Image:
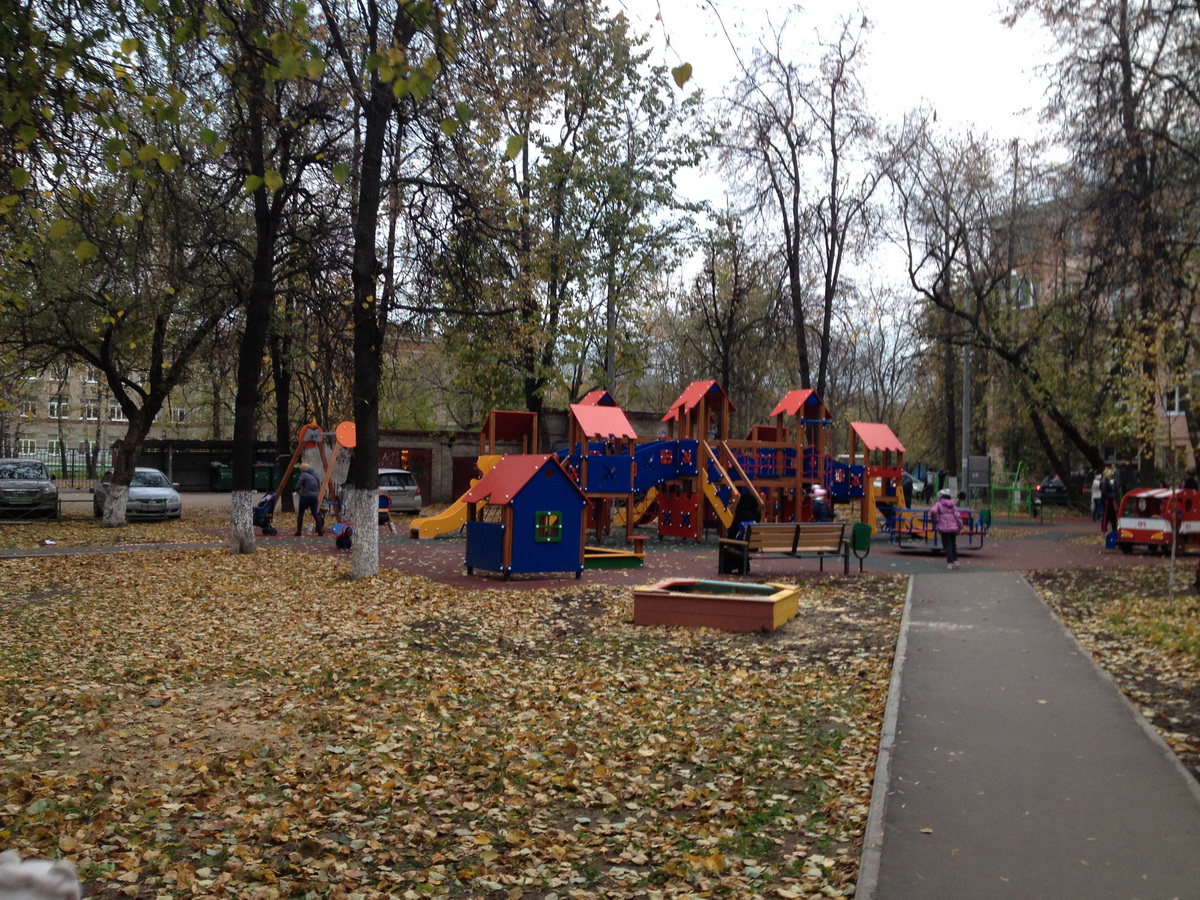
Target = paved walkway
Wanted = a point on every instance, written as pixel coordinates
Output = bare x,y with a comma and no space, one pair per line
1012,766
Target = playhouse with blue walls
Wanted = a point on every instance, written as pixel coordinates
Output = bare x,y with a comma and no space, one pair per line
525,515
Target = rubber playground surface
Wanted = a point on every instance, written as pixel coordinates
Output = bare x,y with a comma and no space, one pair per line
1069,542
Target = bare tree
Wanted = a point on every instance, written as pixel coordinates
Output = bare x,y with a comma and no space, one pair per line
804,143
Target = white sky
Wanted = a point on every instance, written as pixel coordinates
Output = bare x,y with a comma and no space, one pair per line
953,53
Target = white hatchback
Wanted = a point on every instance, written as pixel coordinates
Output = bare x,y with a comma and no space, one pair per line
401,486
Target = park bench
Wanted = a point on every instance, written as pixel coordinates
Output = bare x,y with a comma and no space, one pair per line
779,539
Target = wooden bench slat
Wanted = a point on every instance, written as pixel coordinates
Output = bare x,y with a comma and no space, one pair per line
795,539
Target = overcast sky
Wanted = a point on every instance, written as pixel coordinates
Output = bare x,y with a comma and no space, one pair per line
954,54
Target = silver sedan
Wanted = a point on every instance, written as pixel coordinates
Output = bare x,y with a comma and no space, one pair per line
151,496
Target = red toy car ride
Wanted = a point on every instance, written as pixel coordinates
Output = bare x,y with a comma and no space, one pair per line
1151,517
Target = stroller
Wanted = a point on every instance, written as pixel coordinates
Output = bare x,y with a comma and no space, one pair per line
264,511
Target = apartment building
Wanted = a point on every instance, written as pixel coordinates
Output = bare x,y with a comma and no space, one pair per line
67,413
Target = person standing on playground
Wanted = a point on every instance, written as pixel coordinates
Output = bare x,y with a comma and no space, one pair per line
821,510
944,515
1109,495
308,487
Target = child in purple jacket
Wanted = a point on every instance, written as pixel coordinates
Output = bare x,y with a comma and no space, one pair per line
944,516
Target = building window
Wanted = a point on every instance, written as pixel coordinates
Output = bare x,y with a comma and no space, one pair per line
52,446
60,374
89,375
1175,403
28,409
115,413
179,415
26,447
60,408
91,410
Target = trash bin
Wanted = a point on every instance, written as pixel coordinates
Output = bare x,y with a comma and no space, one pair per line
220,477
860,542
264,477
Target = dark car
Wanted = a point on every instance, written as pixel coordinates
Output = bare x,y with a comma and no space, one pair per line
27,489
1052,490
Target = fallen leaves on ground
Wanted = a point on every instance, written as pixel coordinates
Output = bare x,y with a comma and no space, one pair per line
1148,642
76,530
199,724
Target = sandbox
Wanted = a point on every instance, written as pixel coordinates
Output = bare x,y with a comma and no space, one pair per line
728,605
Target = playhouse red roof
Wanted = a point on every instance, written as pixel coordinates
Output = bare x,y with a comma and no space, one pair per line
509,476
602,422
691,397
794,401
876,436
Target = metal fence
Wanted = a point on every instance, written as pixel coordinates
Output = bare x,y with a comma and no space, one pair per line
70,467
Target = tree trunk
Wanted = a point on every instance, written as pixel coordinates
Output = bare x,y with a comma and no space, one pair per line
949,372
124,464
364,513
282,372
241,519
258,316
368,321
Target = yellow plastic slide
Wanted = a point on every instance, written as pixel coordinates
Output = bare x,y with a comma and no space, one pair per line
454,516
639,509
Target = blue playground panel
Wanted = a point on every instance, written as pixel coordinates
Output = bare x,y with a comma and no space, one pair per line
605,474
661,461
485,546
845,481
565,554
764,463
724,492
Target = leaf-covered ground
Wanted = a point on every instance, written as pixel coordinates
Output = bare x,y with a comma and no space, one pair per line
77,530
186,723
1148,641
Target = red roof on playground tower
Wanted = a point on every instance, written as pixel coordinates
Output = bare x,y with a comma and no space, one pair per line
602,422
691,397
876,436
794,401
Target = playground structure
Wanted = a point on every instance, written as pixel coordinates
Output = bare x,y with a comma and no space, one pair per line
1155,517
693,473
329,445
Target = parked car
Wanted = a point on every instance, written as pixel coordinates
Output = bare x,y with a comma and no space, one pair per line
151,496
27,489
1052,490
401,486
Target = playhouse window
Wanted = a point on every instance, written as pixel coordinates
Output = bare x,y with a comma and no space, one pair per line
549,527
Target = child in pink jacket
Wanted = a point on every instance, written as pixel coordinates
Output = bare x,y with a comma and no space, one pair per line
944,516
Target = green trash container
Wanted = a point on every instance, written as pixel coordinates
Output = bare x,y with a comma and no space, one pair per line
860,542
263,480
224,479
